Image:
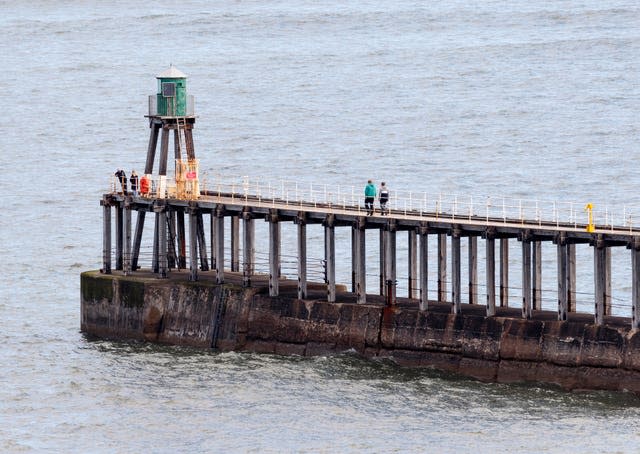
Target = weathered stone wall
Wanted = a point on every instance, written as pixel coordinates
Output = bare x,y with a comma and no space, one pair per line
570,354
181,313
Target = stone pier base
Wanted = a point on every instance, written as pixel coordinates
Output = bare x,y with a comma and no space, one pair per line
574,354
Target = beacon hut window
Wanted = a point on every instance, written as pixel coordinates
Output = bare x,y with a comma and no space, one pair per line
168,89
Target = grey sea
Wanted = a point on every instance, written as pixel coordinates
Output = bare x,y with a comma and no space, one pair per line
485,99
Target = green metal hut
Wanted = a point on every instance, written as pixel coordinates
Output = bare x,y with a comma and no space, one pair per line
172,93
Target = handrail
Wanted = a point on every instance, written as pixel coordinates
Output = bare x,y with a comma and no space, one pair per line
341,197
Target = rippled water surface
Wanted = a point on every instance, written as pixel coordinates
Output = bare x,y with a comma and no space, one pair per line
537,100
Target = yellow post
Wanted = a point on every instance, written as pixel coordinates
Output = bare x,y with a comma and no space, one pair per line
590,226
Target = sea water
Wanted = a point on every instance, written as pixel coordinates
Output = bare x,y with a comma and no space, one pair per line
535,100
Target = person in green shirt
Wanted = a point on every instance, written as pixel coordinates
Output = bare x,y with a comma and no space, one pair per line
369,197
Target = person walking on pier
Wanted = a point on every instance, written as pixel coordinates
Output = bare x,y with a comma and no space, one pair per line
384,198
134,183
120,175
369,197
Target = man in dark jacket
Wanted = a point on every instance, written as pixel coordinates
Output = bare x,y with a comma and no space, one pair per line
120,175
134,183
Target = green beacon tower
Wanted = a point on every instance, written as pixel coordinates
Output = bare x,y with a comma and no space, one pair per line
172,93
171,109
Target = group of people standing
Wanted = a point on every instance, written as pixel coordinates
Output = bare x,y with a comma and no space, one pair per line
134,180
370,193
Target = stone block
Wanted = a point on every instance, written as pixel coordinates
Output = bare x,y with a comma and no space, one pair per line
283,348
562,342
325,312
319,349
433,331
406,358
631,353
630,382
398,326
259,346
353,326
602,347
480,337
514,371
480,369
522,340
565,377
447,362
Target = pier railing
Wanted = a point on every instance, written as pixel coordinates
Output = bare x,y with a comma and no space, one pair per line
153,105
351,197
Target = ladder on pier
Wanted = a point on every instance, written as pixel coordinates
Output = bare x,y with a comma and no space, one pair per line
181,143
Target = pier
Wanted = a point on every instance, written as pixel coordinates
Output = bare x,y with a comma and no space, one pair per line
183,197
236,204
202,284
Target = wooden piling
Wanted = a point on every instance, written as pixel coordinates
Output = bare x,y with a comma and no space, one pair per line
119,236
248,249
354,258
635,284
274,253
127,237
214,237
202,244
177,150
491,274
193,244
137,240
164,150
442,267
301,222
473,270
423,233
151,149
526,277
188,139
182,241
456,284
219,242
382,251
600,278
360,260
155,261
571,277
504,272
235,243
390,261
172,257
563,270
412,264
536,275
330,257
607,280
106,237
161,214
